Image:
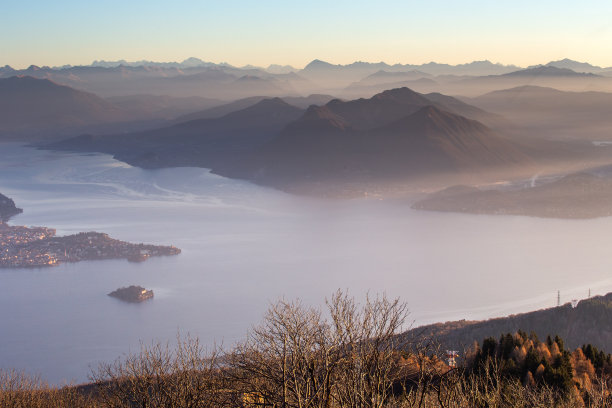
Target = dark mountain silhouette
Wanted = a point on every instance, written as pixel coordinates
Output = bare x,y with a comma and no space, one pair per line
273,112
363,113
397,134
444,140
201,142
589,322
360,90
380,109
218,111
394,104
28,104
339,144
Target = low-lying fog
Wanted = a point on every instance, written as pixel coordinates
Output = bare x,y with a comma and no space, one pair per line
245,246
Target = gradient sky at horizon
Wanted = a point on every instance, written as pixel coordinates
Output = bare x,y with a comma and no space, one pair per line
266,32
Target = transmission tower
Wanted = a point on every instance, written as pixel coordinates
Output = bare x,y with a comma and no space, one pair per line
451,355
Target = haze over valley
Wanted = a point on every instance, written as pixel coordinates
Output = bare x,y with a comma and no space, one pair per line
380,134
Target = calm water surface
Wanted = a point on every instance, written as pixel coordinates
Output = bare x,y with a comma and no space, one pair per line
245,246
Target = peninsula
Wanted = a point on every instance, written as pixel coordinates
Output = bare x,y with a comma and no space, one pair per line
22,246
574,196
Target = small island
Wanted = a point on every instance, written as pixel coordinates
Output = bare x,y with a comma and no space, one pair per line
132,294
22,246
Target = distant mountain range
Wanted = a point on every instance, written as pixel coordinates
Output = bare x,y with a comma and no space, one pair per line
483,67
432,68
194,77
256,124
210,81
188,63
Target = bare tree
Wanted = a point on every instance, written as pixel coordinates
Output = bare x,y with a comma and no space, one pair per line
368,338
18,390
289,360
158,376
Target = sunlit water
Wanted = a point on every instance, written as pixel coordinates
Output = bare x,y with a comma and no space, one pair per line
245,246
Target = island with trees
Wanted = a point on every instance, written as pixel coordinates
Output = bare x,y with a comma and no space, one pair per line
132,294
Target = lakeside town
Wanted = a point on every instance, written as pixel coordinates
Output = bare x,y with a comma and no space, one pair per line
22,246
38,246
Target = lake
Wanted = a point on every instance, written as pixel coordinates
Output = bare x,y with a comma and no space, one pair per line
245,246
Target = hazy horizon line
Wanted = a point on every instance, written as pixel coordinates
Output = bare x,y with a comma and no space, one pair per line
144,62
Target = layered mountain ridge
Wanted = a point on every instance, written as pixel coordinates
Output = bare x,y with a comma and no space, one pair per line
27,103
396,134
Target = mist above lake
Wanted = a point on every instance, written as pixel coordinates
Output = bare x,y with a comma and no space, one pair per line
245,246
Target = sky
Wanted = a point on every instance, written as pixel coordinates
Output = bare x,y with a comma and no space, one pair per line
294,32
